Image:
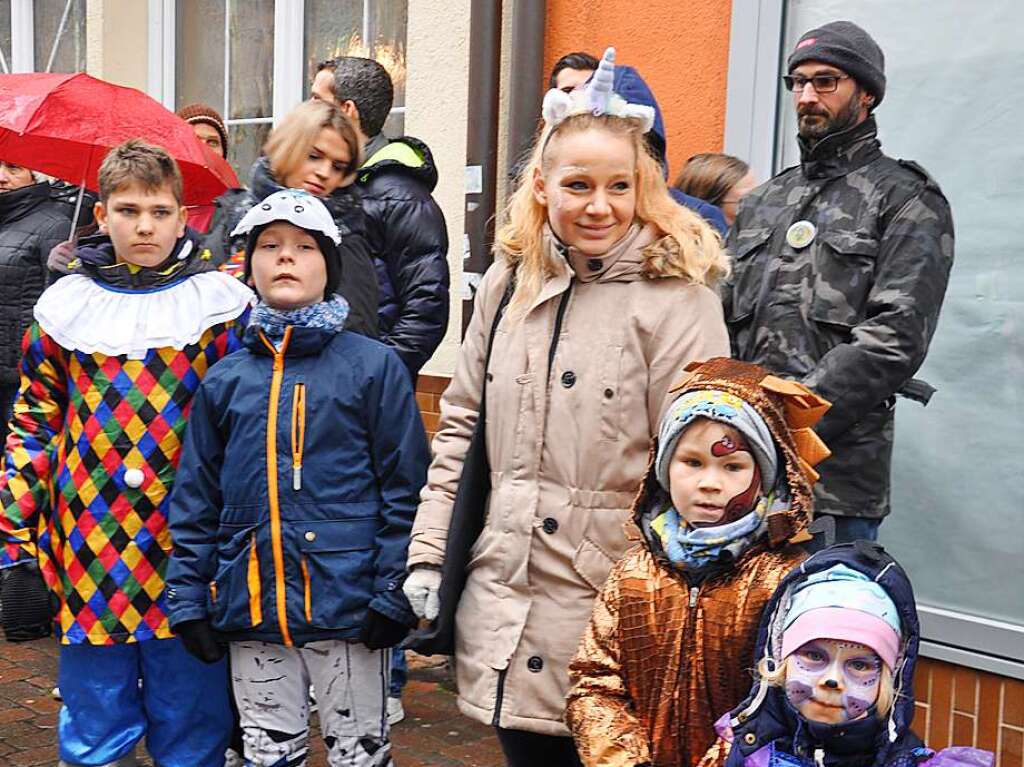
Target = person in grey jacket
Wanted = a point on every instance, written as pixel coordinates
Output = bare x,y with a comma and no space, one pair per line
840,266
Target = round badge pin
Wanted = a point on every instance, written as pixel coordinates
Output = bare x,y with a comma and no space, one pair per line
801,234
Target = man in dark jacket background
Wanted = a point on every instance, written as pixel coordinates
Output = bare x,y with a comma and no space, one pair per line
840,267
34,218
405,227
406,231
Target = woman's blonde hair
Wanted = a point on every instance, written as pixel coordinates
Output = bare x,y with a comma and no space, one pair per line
289,143
774,674
699,258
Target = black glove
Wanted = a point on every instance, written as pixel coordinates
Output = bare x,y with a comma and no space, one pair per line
27,613
201,640
380,631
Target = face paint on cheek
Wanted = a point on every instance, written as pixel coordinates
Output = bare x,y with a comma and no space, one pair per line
743,503
854,706
801,676
798,693
861,684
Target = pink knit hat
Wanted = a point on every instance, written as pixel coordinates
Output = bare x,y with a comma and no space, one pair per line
843,604
845,625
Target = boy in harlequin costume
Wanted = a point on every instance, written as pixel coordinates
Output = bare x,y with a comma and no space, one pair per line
835,668
111,363
674,626
298,484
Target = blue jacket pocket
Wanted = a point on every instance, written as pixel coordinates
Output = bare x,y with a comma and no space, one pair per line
236,593
337,560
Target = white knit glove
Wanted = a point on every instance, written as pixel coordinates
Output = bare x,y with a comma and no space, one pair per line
421,589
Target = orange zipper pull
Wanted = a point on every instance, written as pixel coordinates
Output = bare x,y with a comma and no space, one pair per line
298,433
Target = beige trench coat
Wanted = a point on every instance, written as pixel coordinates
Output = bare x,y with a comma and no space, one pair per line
567,453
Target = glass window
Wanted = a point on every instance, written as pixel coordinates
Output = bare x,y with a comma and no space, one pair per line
5,38
372,28
952,104
59,35
251,71
235,79
199,53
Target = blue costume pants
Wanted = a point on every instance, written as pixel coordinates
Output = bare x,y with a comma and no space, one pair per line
181,708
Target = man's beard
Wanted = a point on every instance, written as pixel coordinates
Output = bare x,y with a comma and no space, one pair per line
821,125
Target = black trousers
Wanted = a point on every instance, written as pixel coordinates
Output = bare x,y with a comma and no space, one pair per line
7,394
530,749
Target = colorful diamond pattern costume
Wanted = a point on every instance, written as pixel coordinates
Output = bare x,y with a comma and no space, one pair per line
91,459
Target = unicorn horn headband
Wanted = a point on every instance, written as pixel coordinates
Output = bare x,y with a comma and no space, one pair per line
596,98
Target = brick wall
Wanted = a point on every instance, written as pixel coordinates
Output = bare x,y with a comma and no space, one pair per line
955,705
963,707
428,395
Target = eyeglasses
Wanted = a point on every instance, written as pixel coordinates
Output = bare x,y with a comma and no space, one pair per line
820,83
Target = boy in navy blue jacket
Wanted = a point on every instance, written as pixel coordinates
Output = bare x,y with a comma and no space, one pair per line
296,493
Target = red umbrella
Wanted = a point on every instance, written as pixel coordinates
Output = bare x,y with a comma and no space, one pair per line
64,124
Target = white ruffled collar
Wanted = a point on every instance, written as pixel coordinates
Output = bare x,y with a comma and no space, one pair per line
83,315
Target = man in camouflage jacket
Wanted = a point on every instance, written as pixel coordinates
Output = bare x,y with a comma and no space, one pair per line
840,266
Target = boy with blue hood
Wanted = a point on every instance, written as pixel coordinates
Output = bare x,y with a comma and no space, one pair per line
836,652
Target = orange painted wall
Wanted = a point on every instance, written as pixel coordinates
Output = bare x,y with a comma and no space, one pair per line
681,47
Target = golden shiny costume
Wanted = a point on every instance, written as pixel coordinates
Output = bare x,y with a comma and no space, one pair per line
666,650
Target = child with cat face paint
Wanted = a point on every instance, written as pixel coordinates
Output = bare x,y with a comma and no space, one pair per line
836,653
673,630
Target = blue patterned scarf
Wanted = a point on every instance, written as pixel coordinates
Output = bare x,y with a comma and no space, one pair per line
326,315
696,548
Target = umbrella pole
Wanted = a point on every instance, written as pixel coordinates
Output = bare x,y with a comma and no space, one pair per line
78,209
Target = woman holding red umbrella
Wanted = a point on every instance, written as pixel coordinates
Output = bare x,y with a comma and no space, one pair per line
314,148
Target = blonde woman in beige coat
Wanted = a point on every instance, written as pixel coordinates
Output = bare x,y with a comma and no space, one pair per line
612,284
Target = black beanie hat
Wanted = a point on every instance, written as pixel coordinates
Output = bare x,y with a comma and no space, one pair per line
845,45
327,247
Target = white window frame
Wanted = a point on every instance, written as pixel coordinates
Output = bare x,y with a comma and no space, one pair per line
287,69
23,51
755,54
289,74
751,124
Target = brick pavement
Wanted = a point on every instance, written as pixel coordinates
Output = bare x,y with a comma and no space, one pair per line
433,733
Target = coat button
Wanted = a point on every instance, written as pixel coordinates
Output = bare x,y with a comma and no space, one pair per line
609,393
310,536
750,739
133,478
568,379
490,376
595,264
550,525
535,663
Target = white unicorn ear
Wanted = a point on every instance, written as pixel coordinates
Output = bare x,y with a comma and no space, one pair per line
556,107
644,114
